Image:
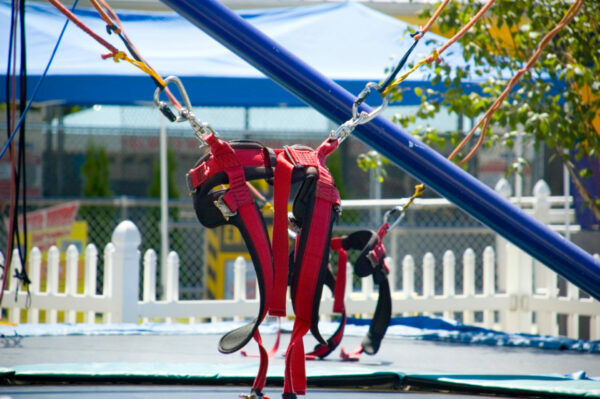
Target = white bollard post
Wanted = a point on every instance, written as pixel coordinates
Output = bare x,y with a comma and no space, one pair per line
125,274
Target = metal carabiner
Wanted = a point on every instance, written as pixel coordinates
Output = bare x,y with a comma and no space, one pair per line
185,114
368,116
398,213
164,107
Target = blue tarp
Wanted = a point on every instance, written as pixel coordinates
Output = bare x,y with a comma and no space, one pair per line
347,42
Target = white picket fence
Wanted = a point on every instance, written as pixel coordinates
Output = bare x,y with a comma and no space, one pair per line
527,299
509,311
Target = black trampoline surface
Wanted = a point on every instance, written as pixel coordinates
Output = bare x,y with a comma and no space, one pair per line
193,352
408,355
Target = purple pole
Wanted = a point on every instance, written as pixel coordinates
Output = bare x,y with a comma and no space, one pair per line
414,157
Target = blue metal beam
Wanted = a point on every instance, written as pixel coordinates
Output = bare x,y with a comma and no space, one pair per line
414,157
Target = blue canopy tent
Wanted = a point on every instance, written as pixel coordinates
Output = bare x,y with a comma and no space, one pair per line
348,42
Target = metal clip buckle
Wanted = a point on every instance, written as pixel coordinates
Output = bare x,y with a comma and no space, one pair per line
222,206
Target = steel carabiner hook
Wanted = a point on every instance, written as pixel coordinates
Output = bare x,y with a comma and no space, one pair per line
397,213
360,99
164,107
201,130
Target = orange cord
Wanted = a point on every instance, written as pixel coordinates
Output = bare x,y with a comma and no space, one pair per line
487,117
427,26
113,21
462,31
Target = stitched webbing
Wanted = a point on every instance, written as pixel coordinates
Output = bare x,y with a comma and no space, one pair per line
281,182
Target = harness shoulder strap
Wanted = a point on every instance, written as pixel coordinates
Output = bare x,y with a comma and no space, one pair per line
311,260
235,205
282,181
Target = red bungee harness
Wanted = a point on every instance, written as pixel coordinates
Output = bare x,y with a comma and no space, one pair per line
315,209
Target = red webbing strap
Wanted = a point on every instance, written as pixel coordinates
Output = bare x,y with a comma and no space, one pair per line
238,198
353,356
261,376
379,251
246,157
321,351
282,181
273,351
326,196
294,380
340,281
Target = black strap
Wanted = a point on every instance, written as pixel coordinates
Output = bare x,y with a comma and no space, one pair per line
371,261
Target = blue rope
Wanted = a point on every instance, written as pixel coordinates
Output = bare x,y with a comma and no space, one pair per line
37,86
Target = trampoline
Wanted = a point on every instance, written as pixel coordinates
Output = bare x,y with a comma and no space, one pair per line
136,361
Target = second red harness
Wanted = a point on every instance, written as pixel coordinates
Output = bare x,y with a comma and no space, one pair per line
219,186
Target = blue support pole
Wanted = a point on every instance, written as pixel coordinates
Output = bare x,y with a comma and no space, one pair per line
414,157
